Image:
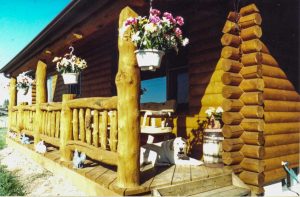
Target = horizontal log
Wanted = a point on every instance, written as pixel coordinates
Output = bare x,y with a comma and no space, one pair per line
281,139
252,111
107,157
50,140
252,178
229,52
205,78
51,106
281,106
275,175
29,107
281,150
251,72
253,138
231,158
233,16
252,85
99,103
250,20
253,125
230,65
277,117
212,100
249,9
231,27
232,131
281,95
251,59
232,118
230,40
257,190
253,165
253,32
252,98
232,105
275,83
236,168
232,92
274,163
254,45
211,88
269,60
230,145
281,128
272,71
233,79
253,151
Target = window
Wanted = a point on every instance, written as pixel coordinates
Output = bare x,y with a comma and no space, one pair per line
50,92
154,90
178,85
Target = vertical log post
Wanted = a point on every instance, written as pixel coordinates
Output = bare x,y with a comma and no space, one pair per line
41,97
12,100
66,127
128,88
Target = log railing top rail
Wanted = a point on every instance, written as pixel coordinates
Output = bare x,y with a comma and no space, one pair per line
24,107
53,106
98,103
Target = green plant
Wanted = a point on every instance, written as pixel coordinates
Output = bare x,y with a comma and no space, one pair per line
2,138
9,184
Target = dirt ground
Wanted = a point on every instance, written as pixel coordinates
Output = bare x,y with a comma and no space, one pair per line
37,180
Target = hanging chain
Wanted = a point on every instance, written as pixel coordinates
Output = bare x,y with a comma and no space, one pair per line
150,6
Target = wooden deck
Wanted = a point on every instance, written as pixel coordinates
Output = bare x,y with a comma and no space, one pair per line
103,178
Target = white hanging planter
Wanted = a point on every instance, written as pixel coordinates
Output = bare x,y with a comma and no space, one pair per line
149,59
70,78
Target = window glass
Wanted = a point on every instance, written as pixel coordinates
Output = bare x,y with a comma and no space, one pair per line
154,90
182,87
49,89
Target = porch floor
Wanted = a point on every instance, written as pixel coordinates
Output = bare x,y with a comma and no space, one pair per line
96,179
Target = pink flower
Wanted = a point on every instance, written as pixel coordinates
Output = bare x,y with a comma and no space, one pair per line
154,12
178,32
130,21
170,17
154,19
179,20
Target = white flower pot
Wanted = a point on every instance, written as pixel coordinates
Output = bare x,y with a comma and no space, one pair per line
149,59
70,78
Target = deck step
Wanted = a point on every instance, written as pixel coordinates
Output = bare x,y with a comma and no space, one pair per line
226,191
214,186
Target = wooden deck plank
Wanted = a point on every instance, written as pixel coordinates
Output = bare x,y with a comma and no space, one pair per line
214,171
196,187
226,191
96,172
106,178
198,172
181,174
164,176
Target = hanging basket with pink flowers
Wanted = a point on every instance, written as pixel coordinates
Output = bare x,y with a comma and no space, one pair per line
153,36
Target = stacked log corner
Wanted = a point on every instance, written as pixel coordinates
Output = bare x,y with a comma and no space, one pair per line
252,87
128,88
232,104
270,109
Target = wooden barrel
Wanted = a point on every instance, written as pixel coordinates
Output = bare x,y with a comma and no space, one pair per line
212,145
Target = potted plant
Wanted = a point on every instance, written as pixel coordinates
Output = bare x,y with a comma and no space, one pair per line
152,36
70,66
24,81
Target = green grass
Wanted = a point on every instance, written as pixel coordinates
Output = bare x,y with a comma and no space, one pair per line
2,138
9,183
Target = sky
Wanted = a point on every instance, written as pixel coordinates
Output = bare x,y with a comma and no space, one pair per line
20,22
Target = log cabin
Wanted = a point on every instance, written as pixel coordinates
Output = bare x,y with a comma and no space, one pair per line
234,60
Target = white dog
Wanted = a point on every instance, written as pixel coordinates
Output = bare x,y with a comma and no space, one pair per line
167,152
40,147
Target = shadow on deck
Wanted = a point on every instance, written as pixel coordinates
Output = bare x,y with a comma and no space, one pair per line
96,179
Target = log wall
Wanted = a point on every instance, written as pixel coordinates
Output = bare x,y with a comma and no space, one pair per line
261,109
